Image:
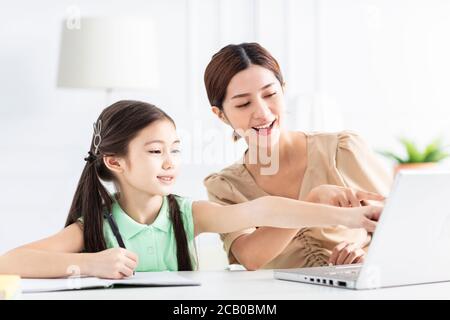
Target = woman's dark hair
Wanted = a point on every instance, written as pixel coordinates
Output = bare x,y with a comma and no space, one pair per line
230,60
120,123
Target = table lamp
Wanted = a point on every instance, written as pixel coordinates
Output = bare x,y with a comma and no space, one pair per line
109,53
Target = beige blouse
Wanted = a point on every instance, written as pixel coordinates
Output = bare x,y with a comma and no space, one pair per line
341,159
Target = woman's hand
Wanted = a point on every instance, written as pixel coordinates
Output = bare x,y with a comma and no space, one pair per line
115,263
347,253
341,196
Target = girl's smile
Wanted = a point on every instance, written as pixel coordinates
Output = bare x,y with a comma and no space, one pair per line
167,180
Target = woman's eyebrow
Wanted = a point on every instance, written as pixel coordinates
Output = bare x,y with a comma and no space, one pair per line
247,94
160,141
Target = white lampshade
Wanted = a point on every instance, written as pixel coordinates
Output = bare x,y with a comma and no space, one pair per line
109,53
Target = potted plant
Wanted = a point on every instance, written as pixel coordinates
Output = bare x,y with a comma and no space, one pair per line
416,159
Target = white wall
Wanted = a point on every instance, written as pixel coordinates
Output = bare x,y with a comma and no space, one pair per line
378,67
385,63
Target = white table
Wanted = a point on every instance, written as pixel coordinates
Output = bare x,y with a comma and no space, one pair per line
252,285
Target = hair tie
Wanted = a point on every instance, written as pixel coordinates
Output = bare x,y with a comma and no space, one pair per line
91,157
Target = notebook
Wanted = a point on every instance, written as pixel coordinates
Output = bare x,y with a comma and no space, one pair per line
140,279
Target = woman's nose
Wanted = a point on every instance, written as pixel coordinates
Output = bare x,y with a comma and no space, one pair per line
262,110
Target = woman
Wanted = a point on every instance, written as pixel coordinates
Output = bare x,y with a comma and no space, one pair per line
245,89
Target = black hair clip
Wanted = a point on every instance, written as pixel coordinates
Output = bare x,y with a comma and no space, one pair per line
91,157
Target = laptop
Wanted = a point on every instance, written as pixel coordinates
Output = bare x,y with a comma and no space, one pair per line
411,244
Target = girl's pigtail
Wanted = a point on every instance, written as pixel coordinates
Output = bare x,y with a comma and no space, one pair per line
91,198
183,255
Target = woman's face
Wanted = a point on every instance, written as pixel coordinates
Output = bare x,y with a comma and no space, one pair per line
254,106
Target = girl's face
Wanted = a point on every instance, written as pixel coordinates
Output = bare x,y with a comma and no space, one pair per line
254,105
151,165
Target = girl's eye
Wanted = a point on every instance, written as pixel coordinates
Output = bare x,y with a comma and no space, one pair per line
176,151
243,105
155,151
271,95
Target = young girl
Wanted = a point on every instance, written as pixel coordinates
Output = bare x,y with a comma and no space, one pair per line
144,227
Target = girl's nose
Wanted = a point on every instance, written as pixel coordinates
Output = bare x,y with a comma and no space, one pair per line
168,163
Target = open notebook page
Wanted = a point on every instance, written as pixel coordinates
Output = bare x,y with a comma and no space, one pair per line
157,279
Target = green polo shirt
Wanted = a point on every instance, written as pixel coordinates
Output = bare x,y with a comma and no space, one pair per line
155,243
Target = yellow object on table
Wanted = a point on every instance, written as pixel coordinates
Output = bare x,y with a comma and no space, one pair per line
9,286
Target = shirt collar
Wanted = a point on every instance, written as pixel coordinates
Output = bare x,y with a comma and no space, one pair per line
129,228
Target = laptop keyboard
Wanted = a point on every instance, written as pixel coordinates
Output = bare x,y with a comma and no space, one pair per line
349,272
345,273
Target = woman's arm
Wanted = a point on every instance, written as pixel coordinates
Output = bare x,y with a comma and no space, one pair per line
256,249
212,217
59,256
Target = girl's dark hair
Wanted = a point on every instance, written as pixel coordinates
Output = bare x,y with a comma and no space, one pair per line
230,60
120,123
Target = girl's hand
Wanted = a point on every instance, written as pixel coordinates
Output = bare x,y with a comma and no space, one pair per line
362,217
115,263
347,253
340,196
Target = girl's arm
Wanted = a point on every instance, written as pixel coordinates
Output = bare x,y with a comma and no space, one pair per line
49,257
278,212
59,256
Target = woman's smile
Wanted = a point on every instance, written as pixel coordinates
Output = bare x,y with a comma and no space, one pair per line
265,129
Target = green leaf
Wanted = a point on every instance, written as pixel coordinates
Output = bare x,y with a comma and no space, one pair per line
433,148
432,156
442,156
414,155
